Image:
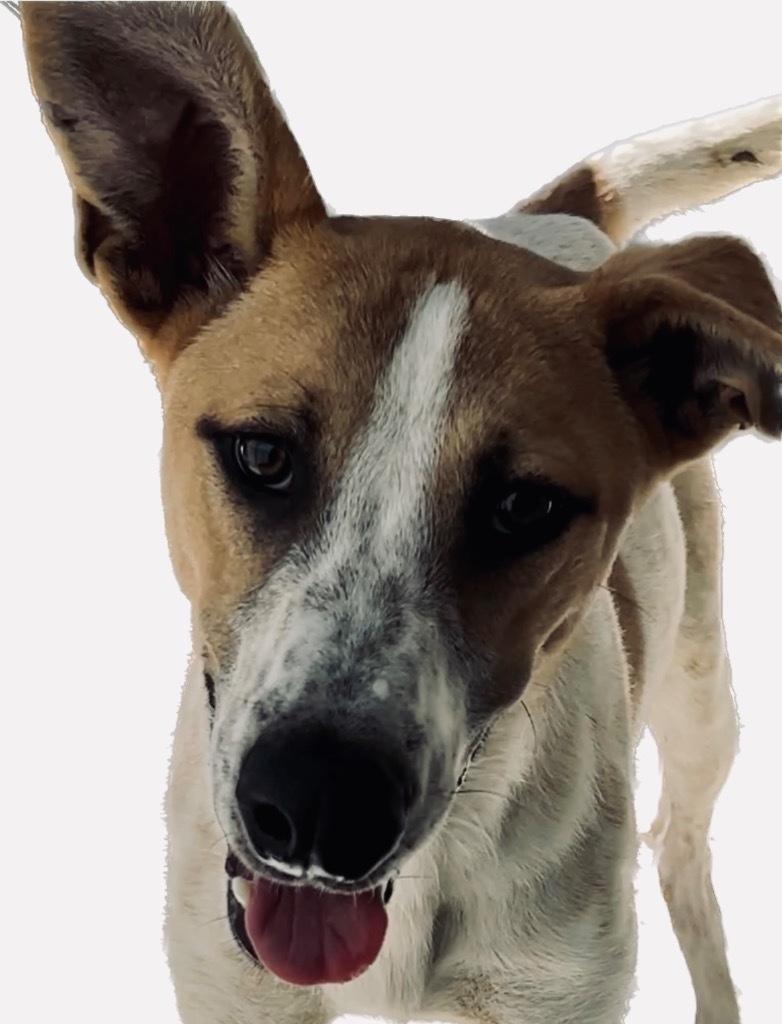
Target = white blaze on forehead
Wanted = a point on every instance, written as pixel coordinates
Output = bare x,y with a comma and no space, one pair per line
392,465
375,531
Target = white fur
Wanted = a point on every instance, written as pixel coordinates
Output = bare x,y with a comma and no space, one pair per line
393,461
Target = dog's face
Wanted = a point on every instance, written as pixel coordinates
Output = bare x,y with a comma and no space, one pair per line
390,486
398,455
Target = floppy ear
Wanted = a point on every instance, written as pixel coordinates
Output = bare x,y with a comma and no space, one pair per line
182,166
693,333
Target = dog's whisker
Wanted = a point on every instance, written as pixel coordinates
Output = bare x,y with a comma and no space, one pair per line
532,724
628,599
307,392
479,792
215,920
218,842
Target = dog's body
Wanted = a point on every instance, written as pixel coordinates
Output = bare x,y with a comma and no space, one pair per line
419,381
506,915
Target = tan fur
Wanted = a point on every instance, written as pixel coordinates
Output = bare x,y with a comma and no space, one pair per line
610,374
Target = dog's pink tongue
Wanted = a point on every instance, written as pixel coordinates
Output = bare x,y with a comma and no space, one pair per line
309,937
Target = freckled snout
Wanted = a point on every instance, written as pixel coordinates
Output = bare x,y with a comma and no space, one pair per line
322,804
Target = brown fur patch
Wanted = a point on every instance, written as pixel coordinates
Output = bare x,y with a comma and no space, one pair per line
577,193
583,192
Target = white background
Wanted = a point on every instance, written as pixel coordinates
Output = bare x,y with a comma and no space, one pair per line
454,110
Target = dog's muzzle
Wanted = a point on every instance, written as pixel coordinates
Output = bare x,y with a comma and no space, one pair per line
323,816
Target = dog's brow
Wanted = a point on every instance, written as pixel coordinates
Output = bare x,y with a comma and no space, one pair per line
270,419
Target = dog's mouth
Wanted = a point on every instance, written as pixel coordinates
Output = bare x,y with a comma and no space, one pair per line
303,934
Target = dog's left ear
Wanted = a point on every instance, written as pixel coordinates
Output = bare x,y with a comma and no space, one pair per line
183,168
693,334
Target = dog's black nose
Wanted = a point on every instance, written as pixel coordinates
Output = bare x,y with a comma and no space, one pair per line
317,799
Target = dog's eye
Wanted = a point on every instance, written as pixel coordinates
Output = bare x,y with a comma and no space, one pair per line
530,514
262,463
523,508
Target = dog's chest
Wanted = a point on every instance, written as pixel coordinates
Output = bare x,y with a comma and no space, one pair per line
446,961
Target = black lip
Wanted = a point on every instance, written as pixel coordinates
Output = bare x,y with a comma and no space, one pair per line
236,867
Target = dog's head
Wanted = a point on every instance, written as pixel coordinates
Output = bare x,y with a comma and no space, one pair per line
398,454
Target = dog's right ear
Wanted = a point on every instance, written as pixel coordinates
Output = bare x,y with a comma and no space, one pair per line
182,166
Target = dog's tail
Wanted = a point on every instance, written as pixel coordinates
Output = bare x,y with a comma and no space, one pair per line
628,186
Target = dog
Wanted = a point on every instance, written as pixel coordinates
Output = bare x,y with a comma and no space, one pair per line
440,496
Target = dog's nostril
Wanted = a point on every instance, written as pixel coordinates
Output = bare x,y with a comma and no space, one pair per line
312,799
272,823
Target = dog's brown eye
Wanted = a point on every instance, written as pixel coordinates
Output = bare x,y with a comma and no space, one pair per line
263,463
524,508
527,514
510,517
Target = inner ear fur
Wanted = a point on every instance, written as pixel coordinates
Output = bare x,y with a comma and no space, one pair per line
182,166
693,334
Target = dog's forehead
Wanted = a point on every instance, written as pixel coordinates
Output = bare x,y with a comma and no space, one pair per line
319,327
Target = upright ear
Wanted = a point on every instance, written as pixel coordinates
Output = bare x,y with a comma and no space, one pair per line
182,166
693,333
